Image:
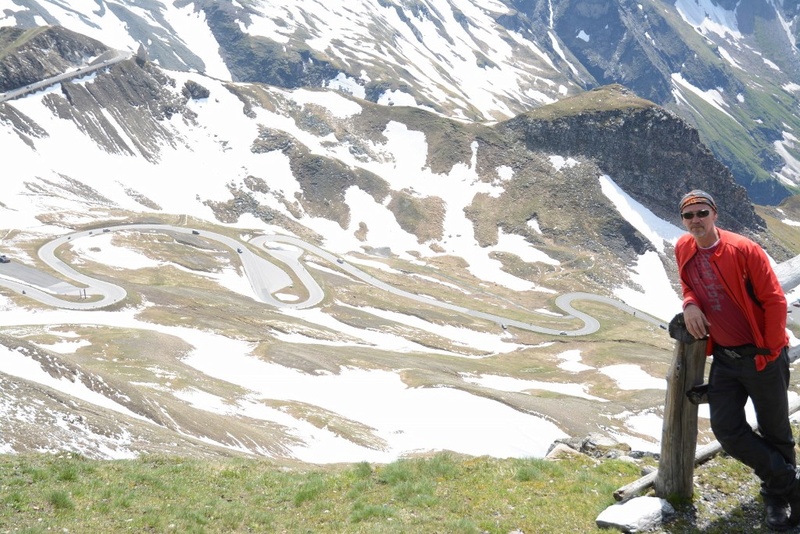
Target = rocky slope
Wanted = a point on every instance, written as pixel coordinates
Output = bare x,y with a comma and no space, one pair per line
652,153
730,69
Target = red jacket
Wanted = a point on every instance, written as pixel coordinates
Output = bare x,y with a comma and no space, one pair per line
736,261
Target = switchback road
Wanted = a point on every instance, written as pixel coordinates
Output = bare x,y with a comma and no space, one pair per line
265,278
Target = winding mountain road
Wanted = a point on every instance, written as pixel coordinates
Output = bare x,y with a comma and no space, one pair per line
265,278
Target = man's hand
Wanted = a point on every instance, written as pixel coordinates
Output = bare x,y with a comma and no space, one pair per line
696,322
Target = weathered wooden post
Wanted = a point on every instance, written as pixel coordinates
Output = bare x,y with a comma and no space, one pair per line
679,432
678,471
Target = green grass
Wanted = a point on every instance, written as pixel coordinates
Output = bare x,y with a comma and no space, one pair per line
786,234
443,493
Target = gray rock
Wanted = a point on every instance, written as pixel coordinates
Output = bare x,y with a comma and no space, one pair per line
635,515
561,450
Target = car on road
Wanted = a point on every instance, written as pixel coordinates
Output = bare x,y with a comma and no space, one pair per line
239,250
196,232
339,260
4,259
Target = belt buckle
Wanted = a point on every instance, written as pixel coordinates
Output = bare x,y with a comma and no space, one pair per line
731,354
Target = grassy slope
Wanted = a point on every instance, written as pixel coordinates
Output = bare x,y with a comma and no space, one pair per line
439,494
785,233
442,493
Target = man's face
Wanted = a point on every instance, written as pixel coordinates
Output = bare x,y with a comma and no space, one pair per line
701,223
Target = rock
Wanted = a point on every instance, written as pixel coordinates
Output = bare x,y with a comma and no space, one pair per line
601,445
635,515
574,443
597,445
647,469
561,450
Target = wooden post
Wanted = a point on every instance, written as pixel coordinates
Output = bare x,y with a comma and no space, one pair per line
679,432
639,486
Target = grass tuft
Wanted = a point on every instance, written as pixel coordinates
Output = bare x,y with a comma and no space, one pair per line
60,500
363,512
309,490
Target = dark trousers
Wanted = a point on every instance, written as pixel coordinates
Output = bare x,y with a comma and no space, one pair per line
770,452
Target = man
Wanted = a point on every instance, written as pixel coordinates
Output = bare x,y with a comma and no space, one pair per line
732,298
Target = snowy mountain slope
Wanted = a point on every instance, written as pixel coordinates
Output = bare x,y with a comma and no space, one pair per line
192,352
493,217
730,68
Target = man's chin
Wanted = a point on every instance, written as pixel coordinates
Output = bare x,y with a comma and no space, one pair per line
698,233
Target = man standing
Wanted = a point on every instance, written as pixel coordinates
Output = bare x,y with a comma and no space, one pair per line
732,297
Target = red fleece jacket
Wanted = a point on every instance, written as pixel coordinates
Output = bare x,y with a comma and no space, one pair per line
736,261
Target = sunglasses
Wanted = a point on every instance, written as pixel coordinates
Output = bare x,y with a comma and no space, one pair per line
689,215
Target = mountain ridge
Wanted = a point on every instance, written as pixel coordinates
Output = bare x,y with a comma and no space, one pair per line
423,201
729,70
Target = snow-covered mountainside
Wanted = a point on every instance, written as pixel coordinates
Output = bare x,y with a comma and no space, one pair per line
339,235
729,67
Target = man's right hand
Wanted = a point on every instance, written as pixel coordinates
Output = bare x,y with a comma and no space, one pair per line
696,322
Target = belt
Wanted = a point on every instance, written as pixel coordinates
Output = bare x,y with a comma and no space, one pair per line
742,351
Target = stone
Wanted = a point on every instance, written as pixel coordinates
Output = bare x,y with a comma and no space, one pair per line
635,515
561,450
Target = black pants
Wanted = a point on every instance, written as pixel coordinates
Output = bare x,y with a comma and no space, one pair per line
770,452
